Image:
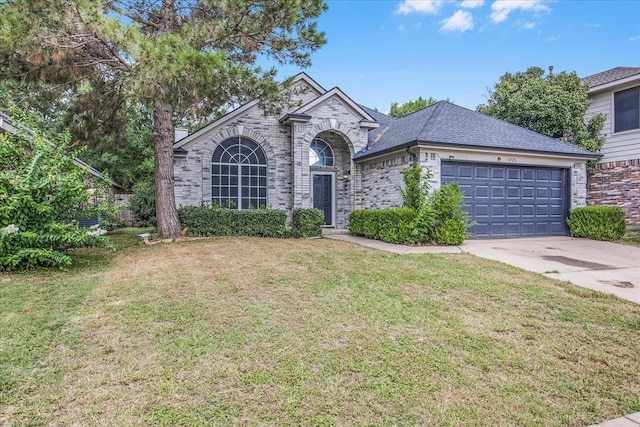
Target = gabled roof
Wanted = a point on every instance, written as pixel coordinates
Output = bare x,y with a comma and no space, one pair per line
613,75
448,125
334,93
301,77
15,128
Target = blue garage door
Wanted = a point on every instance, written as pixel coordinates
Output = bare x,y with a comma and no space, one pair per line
511,201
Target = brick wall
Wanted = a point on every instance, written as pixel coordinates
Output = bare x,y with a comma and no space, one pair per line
617,183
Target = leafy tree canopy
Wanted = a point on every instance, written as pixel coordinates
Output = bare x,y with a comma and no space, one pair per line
42,191
551,104
401,110
189,57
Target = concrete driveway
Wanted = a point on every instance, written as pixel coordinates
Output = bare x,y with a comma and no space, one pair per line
602,266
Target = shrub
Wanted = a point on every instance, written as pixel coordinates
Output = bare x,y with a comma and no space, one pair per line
452,221
42,191
307,222
143,203
391,225
423,225
597,222
416,186
205,220
451,232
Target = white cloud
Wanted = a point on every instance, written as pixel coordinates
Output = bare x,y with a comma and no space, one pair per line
401,27
459,21
632,39
500,9
526,25
471,4
430,7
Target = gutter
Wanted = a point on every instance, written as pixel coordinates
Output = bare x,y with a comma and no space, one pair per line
417,143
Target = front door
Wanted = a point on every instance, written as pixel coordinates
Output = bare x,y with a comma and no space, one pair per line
322,195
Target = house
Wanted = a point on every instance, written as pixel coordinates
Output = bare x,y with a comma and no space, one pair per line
327,151
616,181
8,125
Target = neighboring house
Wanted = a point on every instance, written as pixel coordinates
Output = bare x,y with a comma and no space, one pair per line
616,181
7,125
328,152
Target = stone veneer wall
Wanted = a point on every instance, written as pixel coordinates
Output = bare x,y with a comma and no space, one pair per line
617,183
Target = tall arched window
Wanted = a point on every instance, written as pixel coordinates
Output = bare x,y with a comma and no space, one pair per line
320,153
239,174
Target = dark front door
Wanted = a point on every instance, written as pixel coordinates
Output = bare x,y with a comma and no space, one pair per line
323,195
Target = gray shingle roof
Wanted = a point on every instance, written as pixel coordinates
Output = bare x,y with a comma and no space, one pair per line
449,125
611,75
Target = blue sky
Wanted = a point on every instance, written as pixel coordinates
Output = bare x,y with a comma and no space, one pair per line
379,52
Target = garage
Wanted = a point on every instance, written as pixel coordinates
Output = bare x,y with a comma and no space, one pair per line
512,201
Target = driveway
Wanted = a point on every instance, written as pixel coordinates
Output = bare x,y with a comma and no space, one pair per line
602,266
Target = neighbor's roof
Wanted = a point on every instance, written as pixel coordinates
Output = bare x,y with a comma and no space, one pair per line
610,76
448,125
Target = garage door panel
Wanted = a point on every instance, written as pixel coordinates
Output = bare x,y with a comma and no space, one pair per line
528,210
556,210
513,211
465,172
497,211
447,171
513,174
510,201
528,192
497,192
481,211
481,172
481,191
542,211
513,192
542,193
497,173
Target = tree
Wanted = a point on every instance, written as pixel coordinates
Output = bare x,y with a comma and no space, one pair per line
553,105
409,107
180,56
42,190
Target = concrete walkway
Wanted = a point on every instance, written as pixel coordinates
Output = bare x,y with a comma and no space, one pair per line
602,266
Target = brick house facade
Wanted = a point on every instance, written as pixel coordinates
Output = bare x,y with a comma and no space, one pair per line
328,152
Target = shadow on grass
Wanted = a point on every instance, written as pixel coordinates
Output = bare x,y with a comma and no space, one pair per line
98,258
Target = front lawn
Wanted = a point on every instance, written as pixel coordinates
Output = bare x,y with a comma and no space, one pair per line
631,237
310,332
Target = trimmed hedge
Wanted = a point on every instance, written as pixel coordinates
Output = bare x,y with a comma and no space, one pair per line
391,225
205,220
597,222
307,222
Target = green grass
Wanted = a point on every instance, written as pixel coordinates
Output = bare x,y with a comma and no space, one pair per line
632,237
313,332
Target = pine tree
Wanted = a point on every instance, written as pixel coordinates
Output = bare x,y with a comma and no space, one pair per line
177,55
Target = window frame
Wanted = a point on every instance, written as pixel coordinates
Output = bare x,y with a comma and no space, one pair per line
322,157
239,174
615,111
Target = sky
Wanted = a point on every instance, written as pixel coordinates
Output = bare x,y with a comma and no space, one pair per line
385,51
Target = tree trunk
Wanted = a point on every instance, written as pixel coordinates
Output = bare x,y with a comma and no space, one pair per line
166,212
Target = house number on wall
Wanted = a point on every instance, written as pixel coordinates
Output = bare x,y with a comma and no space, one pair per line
511,159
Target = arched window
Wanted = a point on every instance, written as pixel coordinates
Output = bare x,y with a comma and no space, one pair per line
239,174
320,153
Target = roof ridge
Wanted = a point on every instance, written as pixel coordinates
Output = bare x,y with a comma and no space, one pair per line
432,118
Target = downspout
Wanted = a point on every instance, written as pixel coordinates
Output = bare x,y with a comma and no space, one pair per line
414,156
